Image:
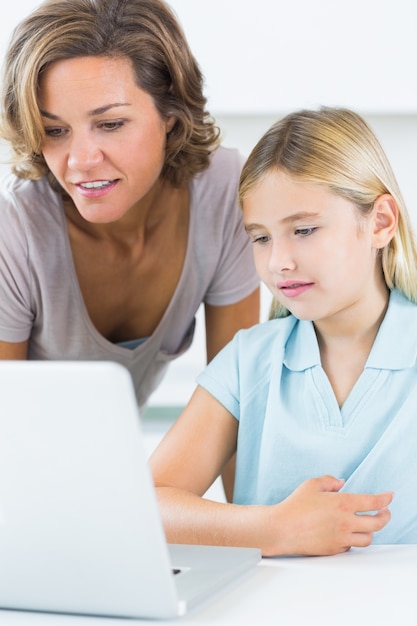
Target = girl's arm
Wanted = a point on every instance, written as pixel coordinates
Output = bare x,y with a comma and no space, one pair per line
314,520
222,323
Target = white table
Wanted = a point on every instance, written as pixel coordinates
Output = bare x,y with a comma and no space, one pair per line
376,586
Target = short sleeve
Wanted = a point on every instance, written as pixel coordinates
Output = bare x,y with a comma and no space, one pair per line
221,378
16,315
221,238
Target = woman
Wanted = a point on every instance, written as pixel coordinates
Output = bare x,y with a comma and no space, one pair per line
120,217
319,403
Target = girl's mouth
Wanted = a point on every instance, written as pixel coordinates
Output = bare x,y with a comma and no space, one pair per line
292,290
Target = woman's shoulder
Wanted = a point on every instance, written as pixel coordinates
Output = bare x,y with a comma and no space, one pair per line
214,192
223,171
10,184
29,212
28,199
22,188
226,157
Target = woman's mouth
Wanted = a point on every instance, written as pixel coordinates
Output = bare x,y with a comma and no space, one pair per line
96,184
96,188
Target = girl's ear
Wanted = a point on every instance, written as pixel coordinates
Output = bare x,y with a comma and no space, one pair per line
385,220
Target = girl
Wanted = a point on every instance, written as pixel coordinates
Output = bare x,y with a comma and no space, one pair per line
320,403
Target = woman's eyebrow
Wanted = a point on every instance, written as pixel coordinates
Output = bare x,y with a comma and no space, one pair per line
97,111
50,116
106,107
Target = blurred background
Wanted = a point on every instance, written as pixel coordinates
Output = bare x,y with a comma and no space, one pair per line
263,59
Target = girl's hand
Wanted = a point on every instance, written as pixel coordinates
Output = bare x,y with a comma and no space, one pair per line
317,520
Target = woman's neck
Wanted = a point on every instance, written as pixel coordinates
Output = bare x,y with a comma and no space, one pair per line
143,217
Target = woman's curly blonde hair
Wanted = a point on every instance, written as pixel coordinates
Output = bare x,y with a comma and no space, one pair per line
144,31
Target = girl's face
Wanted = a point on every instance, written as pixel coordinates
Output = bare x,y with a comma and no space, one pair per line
105,139
311,248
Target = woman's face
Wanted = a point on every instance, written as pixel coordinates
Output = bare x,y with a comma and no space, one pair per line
105,139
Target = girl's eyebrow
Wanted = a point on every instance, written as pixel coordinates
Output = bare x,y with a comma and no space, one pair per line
290,219
98,111
250,227
296,217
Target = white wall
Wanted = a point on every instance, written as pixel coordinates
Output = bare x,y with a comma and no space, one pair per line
265,56
269,56
261,59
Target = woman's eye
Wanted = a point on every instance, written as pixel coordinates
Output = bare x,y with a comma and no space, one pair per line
111,125
305,232
54,132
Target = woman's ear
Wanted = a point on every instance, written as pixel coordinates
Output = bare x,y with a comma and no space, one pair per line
385,220
170,123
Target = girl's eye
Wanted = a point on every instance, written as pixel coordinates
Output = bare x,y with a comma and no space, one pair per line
305,232
261,239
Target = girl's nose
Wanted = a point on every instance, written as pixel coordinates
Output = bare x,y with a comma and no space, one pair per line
281,258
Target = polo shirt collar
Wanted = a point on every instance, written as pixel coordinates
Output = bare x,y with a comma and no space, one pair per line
395,346
301,349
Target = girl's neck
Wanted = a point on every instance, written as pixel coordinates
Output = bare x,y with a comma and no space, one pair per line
345,344
358,323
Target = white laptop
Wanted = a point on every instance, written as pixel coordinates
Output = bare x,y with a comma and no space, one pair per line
80,530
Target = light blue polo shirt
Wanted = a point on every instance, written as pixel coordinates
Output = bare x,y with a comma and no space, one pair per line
291,427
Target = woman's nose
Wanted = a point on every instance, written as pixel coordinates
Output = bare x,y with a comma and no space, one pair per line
84,153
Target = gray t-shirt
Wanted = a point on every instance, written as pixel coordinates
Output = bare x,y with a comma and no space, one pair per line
40,297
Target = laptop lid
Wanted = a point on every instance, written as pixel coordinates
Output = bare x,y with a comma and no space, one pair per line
80,530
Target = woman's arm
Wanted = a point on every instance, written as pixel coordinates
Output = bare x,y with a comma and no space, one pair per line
314,519
13,351
222,323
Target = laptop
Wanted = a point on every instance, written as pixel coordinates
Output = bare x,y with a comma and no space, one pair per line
80,530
